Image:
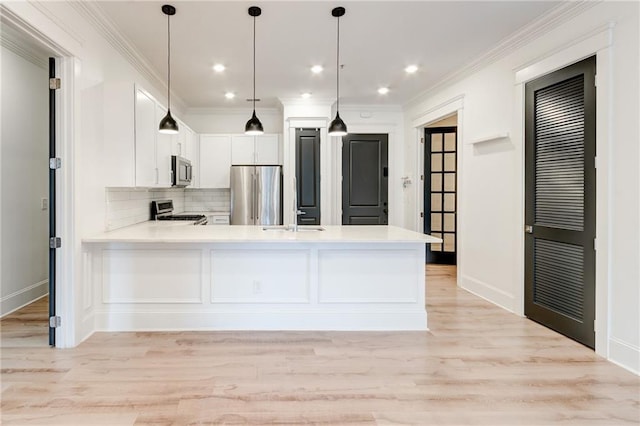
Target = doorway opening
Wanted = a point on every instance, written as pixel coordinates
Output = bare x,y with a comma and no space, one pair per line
28,209
440,189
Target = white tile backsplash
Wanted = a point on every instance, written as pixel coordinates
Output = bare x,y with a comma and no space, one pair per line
128,206
207,200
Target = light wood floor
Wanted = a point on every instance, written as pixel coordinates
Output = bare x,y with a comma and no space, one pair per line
479,365
27,326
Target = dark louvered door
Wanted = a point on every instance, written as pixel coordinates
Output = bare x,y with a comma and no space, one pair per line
560,201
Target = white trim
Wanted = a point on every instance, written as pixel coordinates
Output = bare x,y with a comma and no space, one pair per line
575,51
487,292
262,320
598,43
25,296
625,355
438,112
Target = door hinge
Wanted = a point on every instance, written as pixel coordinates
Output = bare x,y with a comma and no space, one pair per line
421,177
421,140
54,83
421,214
595,162
55,163
55,322
595,80
55,242
595,244
528,229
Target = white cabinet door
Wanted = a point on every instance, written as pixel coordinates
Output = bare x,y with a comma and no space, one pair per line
164,150
146,130
267,149
242,150
193,153
215,161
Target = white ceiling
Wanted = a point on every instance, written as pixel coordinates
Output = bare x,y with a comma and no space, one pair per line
377,40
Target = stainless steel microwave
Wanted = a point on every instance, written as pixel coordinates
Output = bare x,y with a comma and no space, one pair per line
181,171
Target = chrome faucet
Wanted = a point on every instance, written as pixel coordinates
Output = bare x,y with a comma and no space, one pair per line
296,211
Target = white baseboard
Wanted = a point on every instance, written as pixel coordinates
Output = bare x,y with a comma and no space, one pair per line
488,292
21,298
178,321
625,355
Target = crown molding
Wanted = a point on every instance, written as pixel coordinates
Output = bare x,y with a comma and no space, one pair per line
545,23
233,111
110,31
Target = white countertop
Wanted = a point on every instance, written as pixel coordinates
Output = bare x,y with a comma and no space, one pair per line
161,232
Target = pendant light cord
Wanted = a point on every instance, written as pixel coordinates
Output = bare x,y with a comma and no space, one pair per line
169,62
254,64
338,70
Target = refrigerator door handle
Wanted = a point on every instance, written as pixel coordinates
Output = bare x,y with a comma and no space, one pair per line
253,198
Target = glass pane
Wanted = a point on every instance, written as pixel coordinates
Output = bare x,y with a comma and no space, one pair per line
449,182
436,247
449,222
436,222
449,242
436,202
449,202
436,181
436,142
436,162
449,162
450,142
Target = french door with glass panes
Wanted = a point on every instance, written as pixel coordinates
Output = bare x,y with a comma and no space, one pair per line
440,193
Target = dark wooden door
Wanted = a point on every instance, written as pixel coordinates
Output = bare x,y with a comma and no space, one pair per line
560,208
308,175
440,199
365,173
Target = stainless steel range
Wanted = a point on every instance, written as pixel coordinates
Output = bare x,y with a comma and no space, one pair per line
163,210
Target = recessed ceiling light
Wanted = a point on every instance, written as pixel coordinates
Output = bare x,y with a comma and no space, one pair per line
306,95
411,69
316,69
218,67
229,95
383,90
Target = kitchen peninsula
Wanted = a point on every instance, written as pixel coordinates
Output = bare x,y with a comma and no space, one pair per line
155,276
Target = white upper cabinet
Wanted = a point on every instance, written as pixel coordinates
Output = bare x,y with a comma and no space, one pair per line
145,139
215,161
153,150
255,150
268,149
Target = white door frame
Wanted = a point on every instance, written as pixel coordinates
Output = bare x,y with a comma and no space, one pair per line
446,109
65,70
596,43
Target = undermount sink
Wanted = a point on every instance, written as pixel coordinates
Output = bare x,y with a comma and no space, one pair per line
289,228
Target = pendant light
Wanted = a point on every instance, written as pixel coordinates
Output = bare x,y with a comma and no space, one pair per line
168,125
254,126
337,126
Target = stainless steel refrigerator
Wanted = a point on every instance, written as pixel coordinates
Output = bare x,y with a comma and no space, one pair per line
256,195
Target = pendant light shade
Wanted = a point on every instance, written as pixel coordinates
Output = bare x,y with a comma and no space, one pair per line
168,125
254,126
337,126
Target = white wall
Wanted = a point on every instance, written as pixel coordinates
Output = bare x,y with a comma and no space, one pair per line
231,120
492,175
24,177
